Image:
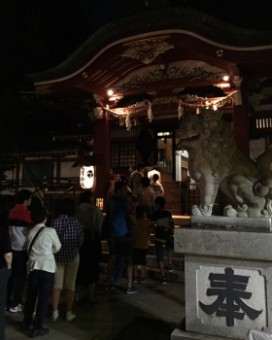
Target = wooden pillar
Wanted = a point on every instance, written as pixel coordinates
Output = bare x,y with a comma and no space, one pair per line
102,155
240,119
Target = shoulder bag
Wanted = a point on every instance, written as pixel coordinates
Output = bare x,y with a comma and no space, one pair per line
34,239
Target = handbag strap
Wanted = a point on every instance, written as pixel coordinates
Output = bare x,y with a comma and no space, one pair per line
34,239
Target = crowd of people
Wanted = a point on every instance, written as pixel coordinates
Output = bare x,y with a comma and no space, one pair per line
60,258
136,208
40,260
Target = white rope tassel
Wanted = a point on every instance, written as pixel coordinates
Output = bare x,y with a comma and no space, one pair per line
197,111
149,112
238,98
121,122
128,122
180,110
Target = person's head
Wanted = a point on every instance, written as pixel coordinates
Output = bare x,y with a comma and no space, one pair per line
86,197
120,188
140,167
24,197
155,167
38,215
145,181
124,179
155,178
160,202
35,203
188,179
66,207
140,211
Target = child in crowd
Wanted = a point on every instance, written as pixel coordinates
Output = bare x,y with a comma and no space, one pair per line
141,231
164,230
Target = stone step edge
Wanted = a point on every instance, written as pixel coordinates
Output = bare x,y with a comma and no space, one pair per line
176,256
177,275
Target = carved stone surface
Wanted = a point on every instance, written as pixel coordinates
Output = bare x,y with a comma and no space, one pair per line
235,224
224,243
228,280
253,289
216,163
197,271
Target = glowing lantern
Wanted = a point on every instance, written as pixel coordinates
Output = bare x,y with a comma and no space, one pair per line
87,177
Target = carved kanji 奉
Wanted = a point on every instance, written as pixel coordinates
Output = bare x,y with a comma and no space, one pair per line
231,290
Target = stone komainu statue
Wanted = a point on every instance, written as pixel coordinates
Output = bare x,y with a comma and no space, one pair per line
216,164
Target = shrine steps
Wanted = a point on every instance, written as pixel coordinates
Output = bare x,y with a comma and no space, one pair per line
172,196
152,269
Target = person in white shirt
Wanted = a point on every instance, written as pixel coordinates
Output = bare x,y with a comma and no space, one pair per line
135,178
152,172
156,186
41,268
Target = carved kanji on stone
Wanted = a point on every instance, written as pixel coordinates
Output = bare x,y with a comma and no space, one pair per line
231,291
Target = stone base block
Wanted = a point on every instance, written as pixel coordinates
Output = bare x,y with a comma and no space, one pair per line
179,334
228,282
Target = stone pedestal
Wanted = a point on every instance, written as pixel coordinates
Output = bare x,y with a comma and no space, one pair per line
228,282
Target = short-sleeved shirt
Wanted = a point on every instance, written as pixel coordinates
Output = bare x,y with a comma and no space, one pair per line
5,246
69,231
41,256
19,221
118,217
163,218
91,219
141,233
157,188
146,197
135,180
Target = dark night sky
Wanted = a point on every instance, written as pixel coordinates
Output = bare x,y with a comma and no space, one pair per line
39,34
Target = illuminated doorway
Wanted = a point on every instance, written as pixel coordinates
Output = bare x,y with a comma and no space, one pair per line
165,151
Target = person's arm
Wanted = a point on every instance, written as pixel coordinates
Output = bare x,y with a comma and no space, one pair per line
8,259
56,242
151,227
171,223
5,247
162,191
99,221
80,239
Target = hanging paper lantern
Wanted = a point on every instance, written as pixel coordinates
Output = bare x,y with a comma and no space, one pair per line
87,177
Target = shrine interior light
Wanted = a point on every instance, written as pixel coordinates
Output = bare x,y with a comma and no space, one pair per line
223,85
110,92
